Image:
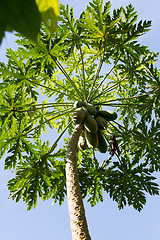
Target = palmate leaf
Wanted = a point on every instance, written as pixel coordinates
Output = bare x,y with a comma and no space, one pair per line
98,59
38,178
131,189
90,173
125,183
15,151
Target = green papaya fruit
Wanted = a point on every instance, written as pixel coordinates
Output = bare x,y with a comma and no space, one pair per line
108,115
90,124
90,108
102,123
91,139
82,142
79,115
102,145
79,104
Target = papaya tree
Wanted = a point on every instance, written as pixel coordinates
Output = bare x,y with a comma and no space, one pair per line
97,90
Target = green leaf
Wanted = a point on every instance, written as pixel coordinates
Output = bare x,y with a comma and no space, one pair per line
38,179
25,16
49,11
22,16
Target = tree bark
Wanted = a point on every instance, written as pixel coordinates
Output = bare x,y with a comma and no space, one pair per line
78,220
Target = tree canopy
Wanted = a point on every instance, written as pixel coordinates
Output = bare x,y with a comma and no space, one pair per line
96,59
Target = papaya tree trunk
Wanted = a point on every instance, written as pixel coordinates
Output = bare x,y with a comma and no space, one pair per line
78,221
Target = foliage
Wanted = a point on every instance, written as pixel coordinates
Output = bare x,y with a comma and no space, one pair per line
25,16
96,59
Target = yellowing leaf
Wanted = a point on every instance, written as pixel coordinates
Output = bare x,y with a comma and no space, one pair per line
49,10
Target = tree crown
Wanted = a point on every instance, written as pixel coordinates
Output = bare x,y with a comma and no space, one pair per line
96,59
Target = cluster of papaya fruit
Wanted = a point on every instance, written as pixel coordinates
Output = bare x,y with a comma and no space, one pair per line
94,122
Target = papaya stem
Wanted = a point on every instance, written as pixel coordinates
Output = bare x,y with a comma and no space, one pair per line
111,88
66,75
97,73
41,85
134,97
105,78
62,87
39,125
52,148
83,71
95,78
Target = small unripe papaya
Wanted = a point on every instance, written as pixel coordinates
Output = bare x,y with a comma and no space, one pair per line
90,124
79,115
107,115
91,139
102,123
102,145
82,142
79,104
90,108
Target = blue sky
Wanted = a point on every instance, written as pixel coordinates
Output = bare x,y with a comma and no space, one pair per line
105,221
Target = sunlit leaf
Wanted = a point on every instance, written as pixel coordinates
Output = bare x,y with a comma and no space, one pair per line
49,10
